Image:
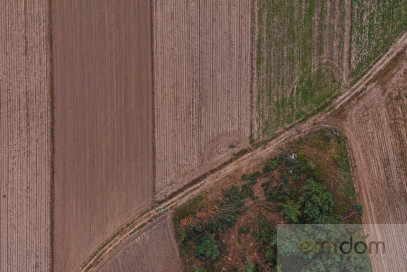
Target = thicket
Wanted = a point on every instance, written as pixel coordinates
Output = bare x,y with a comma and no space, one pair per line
294,186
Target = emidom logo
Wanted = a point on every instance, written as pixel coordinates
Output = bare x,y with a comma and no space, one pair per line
343,247
356,247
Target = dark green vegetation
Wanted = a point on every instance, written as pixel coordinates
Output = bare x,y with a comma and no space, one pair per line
375,25
309,183
299,54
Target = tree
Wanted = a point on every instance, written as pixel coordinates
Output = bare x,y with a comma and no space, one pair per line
271,256
207,248
317,203
291,211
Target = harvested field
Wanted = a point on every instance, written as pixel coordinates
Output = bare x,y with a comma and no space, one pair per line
25,136
375,26
376,127
103,122
201,85
299,60
152,248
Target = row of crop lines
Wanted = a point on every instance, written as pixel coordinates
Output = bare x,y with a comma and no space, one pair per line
375,25
381,134
397,110
298,62
143,247
365,122
25,137
202,95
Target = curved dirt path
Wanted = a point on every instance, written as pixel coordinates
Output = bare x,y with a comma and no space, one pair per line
250,160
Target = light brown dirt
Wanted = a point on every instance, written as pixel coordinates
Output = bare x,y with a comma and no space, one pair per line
152,248
25,136
201,85
103,117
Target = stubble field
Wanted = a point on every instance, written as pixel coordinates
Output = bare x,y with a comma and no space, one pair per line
201,85
103,122
25,136
375,25
299,60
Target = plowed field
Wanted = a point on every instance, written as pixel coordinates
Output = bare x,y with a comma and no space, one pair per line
376,127
152,248
25,136
103,122
201,85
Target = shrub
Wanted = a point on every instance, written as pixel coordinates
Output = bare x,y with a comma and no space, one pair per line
198,269
245,177
279,194
233,194
269,166
188,209
247,188
291,211
241,230
263,231
271,256
254,175
207,248
317,203
249,267
224,218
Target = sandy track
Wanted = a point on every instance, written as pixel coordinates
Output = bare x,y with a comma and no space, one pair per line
103,117
25,136
201,84
142,249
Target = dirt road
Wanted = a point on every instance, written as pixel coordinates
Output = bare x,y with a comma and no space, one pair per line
25,136
103,122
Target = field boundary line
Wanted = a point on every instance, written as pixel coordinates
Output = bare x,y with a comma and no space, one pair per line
52,132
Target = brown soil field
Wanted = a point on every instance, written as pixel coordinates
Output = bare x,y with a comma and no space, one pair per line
103,122
201,87
377,131
152,248
25,136
376,127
